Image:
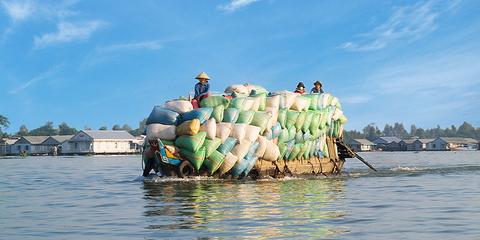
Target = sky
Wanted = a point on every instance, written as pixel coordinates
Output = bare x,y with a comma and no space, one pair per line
100,63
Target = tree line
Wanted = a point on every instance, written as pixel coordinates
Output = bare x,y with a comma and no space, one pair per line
49,129
371,132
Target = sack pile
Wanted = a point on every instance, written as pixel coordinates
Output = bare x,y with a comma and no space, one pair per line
230,134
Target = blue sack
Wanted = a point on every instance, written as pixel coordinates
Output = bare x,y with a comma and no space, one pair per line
202,114
162,116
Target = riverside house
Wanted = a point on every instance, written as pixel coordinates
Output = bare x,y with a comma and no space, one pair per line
387,143
6,146
32,145
101,142
452,144
362,145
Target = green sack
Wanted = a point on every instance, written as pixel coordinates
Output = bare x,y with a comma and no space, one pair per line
167,142
299,137
292,131
230,115
300,120
218,113
245,117
282,117
214,161
303,149
313,101
291,118
306,153
294,153
315,122
211,145
263,100
191,143
283,136
283,150
237,102
196,158
308,121
214,101
260,119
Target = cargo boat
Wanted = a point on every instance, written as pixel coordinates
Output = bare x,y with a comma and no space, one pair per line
256,135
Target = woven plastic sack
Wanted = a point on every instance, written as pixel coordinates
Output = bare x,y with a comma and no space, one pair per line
211,145
202,114
188,128
214,161
313,101
228,163
213,101
223,131
262,146
300,120
308,121
252,133
272,153
162,116
239,167
301,103
251,151
260,101
282,117
250,164
273,101
210,127
284,136
196,158
324,101
157,130
295,152
315,124
191,143
241,149
245,117
261,119
230,115
218,112
178,106
248,104
237,103
227,146
299,137
286,99
238,131
291,118
276,130
237,89
292,132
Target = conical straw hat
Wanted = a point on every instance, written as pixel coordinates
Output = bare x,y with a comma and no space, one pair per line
203,75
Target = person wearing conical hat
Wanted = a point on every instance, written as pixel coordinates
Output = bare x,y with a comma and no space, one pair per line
317,88
300,88
202,87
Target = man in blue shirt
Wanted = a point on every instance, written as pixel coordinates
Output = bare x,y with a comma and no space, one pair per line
317,88
202,87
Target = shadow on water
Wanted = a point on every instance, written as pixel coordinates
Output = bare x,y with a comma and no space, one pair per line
204,209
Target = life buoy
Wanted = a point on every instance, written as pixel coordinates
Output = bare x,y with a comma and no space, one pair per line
186,169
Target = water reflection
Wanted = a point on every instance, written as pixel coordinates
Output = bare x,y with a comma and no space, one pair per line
265,209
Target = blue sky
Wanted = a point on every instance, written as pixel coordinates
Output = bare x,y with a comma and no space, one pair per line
98,63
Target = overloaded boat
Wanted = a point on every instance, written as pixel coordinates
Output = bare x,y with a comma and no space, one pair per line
246,132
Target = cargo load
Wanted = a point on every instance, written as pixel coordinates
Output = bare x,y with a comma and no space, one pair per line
248,131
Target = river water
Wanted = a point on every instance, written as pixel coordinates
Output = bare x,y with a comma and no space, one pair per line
426,195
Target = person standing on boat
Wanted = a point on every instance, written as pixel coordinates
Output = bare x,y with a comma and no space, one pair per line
202,87
317,88
300,88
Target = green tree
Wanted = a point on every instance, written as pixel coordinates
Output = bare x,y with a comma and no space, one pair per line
116,127
466,130
64,129
23,131
103,128
45,130
126,127
399,131
4,123
371,132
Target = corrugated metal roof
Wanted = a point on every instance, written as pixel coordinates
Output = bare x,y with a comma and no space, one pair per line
409,141
459,140
426,140
35,139
363,141
388,139
109,134
62,138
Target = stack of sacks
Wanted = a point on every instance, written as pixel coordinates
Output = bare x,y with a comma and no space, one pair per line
231,135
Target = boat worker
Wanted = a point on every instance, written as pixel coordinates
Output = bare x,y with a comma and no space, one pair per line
300,88
317,87
202,87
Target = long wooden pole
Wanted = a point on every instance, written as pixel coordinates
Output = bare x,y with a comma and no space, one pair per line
358,156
